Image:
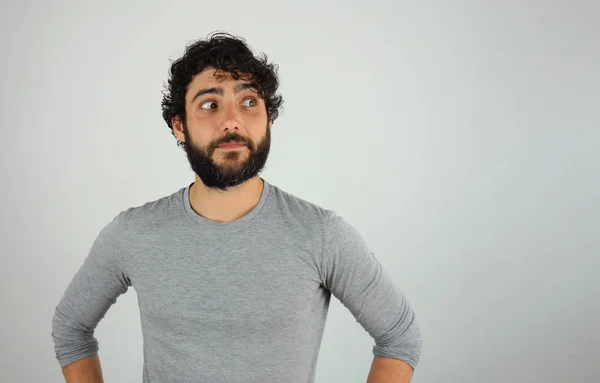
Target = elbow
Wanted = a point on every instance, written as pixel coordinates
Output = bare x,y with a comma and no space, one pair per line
72,342
403,342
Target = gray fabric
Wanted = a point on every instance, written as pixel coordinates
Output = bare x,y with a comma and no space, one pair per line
233,302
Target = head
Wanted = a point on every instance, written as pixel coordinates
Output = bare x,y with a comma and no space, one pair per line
219,93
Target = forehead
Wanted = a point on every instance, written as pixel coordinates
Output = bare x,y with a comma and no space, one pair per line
209,78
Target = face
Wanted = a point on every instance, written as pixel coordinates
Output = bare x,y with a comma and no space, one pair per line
226,134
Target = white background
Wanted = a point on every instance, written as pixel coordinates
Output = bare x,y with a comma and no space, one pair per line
462,138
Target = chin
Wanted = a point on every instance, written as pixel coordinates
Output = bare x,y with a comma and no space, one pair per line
231,158
231,165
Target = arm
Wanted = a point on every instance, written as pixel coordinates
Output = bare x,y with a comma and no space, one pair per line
93,289
86,370
389,370
353,274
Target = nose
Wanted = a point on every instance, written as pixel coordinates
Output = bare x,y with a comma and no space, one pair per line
231,119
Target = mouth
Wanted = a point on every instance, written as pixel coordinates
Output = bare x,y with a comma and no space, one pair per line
231,145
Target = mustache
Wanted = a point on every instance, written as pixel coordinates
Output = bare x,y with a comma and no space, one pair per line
231,138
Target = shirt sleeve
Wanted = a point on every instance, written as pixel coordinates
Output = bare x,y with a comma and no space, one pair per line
352,274
91,292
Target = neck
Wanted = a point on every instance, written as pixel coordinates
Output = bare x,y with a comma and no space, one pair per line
225,205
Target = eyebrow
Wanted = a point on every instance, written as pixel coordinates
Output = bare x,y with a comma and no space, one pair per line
220,92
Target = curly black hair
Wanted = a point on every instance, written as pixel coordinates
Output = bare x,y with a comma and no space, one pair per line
226,53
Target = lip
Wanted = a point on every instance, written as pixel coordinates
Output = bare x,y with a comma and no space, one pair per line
231,146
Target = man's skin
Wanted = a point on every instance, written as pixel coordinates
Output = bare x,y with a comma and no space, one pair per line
242,112
86,370
389,370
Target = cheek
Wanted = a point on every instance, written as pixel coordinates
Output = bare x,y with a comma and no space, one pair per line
257,117
203,127
197,137
208,127
257,129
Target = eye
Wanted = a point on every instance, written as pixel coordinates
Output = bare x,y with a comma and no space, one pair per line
208,105
249,102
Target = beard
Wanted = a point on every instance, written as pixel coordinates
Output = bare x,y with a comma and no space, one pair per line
233,170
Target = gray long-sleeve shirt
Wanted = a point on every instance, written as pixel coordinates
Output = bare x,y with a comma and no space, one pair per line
244,301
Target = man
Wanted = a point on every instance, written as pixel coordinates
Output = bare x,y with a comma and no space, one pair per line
233,275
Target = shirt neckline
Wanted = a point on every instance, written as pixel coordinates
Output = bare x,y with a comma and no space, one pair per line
221,226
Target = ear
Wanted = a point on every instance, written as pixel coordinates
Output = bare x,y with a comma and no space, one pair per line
178,128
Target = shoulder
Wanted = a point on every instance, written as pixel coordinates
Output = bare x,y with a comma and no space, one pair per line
307,210
309,217
294,209
147,215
